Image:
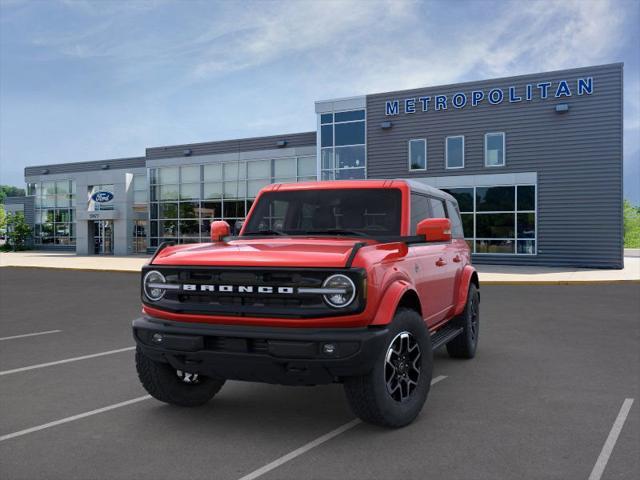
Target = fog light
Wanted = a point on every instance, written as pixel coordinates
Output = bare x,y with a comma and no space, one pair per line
157,338
329,348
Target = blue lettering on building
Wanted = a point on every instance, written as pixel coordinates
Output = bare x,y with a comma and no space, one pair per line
425,103
459,100
495,96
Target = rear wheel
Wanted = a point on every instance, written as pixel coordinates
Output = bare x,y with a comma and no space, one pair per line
393,393
176,387
465,344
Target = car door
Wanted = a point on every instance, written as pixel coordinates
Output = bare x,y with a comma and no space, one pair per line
431,279
459,248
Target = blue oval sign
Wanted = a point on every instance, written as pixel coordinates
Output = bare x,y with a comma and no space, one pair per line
102,197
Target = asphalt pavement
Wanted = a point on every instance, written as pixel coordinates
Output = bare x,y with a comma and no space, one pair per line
544,397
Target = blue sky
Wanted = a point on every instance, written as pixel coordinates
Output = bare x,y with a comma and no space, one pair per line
88,80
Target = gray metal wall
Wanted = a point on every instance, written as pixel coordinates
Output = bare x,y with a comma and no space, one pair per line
27,205
79,167
577,157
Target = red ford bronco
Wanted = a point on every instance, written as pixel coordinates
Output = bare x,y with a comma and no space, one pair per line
355,282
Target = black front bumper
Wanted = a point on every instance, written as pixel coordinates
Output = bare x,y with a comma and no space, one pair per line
288,356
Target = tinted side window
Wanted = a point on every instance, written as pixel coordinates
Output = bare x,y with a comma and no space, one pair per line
456,223
419,210
437,207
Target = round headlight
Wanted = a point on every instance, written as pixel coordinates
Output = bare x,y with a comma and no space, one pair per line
342,293
152,284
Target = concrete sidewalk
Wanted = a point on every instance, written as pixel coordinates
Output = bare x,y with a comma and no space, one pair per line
489,274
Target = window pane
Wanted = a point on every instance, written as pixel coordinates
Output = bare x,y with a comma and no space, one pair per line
349,116
467,224
139,183
495,246
417,154
62,187
168,210
327,175
153,175
327,159
211,210
526,225
326,118
326,134
464,196
168,228
456,223
259,169
140,196
349,157
455,152
349,133
419,210
526,247
254,186
213,172
190,191
169,192
437,208
494,151
49,188
153,210
168,175
285,180
306,166
350,174
235,189
495,199
235,170
233,209
284,167
495,225
213,190
190,229
527,197
190,174
189,209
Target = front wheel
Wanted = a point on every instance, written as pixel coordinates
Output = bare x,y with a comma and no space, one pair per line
172,386
393,392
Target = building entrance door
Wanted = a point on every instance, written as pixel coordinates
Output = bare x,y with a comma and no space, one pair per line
103,237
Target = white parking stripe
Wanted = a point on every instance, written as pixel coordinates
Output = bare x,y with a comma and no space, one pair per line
66,360
30,334
314,443
601,463
73,418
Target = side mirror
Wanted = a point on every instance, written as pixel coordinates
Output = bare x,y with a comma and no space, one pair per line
219,230
435,229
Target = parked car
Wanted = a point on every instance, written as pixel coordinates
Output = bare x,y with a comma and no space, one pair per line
355,282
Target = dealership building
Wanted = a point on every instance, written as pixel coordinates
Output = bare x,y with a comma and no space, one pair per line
535,162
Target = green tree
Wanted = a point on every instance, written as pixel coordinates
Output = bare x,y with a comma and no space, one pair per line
9,191
3,218
631,225
18,231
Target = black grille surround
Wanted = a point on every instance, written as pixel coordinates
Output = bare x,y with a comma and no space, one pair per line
252,304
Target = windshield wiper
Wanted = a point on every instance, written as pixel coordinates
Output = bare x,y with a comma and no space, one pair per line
335,231
264,232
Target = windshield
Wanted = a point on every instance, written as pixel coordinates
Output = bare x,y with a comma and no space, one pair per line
350,212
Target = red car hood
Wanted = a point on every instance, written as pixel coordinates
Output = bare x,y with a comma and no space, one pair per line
271,252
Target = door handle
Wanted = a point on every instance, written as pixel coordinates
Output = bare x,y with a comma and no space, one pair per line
457,259
440,262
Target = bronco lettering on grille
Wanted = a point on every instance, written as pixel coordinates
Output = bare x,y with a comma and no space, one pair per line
190,287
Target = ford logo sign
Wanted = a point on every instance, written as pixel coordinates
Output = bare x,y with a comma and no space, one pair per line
102,197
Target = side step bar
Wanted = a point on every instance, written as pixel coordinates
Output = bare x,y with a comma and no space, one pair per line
444,335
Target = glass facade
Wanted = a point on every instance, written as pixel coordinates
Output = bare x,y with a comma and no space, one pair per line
54,212
498,219
140,228
343,145
184,200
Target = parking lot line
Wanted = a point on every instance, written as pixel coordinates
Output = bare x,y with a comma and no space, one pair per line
312,444
73,418
601,463
66,360
30,335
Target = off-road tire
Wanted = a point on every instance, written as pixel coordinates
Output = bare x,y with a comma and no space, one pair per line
163,383
465,344
368,395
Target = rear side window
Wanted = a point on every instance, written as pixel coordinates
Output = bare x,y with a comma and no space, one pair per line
437,208
419,210
456,222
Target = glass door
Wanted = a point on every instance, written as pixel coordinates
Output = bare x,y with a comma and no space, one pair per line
103,237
